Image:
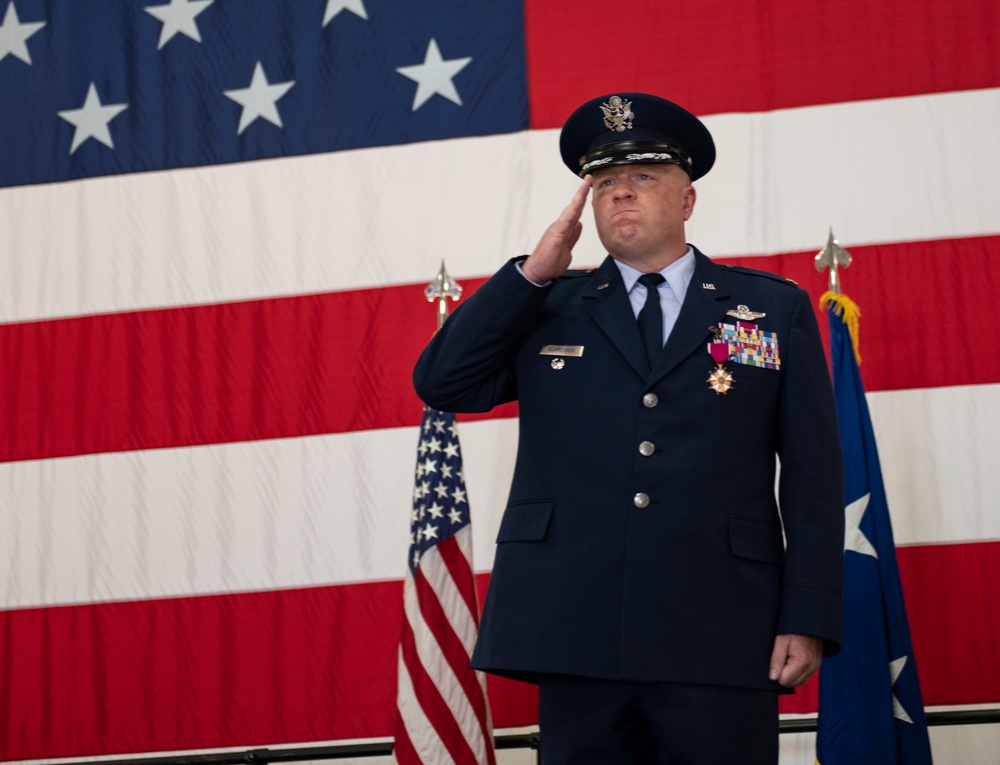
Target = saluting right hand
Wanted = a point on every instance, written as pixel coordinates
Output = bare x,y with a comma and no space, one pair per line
554,251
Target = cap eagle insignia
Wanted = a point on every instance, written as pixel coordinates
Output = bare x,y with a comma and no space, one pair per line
618,114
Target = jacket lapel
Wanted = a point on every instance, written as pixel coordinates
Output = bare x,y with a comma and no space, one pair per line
701,309
609,306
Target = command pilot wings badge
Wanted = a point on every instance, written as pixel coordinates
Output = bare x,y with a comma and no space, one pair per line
745,314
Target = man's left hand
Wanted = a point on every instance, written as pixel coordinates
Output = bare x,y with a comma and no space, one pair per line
795,658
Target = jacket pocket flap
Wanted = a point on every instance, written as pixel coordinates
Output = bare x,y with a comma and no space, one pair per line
756,540
525,522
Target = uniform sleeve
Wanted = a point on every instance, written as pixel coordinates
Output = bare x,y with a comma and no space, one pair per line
469,364
811,487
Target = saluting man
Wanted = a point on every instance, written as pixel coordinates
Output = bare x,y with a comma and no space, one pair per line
645,577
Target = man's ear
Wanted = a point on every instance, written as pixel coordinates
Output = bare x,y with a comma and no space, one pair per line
690,197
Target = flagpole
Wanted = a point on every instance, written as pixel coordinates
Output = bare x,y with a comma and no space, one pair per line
442,288
832,256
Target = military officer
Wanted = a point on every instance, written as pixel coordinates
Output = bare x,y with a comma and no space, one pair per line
646,575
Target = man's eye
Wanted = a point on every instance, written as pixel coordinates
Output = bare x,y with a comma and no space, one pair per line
606,182
644,176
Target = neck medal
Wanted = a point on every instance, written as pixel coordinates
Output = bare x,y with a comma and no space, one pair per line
720,380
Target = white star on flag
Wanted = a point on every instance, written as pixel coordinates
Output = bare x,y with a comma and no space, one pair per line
434,76
91,120
333,7
854,538
451,449
895,669
260,99
14,35
421,491
179,16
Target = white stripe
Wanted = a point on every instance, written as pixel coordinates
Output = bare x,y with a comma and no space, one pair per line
938,448
461,619
887,170
437,666
232,517
332,509
423,737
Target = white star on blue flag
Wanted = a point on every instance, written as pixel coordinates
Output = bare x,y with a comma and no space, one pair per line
433,523
309,78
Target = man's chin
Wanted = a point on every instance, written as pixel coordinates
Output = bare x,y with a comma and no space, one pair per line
622,237
628,235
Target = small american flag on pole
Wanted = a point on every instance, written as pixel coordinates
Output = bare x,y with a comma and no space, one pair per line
442,714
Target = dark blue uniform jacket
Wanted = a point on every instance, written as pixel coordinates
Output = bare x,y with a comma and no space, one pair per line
694,586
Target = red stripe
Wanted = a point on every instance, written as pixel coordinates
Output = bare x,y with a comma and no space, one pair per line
320,664
402,747
918,308
461,572
452,648
432,703
307,365
453,651
230,670
953,603
209,374
952,592
731,56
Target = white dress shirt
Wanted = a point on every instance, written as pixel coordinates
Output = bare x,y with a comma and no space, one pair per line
677,277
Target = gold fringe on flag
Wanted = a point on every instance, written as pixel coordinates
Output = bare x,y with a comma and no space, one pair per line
847,310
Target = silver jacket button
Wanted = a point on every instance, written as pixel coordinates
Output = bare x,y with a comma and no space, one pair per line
641,500
650,400
646,448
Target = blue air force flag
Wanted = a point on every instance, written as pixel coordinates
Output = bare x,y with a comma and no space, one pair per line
870,710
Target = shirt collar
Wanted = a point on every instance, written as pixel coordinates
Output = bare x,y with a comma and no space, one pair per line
678,274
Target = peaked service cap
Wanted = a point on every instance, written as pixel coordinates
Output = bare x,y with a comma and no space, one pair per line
634,128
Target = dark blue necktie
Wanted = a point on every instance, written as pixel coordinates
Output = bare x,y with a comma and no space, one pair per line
651,318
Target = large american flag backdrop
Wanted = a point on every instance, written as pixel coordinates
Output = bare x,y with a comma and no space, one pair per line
217,219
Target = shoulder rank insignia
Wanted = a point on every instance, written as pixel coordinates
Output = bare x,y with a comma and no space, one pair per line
745,314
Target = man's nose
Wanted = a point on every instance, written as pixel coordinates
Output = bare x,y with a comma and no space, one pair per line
623,190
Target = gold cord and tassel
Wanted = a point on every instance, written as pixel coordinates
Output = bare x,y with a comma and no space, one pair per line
848,311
